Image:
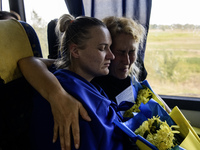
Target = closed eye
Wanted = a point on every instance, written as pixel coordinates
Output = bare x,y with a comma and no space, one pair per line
121,51
131,51
102,47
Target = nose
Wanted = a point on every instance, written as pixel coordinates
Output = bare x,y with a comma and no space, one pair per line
126,59
110,55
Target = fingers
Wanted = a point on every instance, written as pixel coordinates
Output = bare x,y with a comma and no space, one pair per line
84,113
62,140
55,132
75,125
66,122
76,132
67,137
64,133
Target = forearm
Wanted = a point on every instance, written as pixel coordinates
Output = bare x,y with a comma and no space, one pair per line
37,74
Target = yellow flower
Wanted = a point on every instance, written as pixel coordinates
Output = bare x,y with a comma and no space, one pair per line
145,128
157,132
144,95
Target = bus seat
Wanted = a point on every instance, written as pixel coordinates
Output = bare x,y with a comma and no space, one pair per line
15,91
52,39
14,44
33,38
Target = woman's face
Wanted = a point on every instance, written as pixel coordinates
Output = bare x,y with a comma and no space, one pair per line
95,59
124,47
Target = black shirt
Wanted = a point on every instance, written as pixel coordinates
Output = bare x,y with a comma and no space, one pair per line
111,85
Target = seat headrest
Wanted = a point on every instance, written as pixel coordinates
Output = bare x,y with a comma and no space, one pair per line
14,45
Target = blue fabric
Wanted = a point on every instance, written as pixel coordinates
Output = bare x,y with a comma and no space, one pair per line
101,133
75,7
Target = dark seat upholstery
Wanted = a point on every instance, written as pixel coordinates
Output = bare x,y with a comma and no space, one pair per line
15,112
52,39
16,103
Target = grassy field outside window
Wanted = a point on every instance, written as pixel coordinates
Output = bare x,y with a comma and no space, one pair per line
172,60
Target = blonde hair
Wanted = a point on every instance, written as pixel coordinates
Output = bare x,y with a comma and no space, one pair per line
119,25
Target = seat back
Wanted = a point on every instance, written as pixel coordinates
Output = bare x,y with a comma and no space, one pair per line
15,91
15,112
52,39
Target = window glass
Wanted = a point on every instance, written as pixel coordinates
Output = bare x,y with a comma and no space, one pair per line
39,13
172,56
5,5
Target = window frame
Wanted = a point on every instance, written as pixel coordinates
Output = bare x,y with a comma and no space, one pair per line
186,103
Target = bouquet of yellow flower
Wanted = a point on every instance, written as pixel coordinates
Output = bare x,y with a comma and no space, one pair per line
158,132
152,128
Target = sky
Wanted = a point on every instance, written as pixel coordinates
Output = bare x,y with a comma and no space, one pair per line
47,9
165,12
168,12
51,11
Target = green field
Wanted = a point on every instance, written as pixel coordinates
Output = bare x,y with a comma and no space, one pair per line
172,60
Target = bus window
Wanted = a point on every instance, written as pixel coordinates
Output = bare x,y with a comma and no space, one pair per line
40,13
172,56
5,5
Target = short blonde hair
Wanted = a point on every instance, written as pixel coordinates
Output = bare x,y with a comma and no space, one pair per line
118,25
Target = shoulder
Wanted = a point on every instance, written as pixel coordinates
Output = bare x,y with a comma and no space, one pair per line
72,81
65,75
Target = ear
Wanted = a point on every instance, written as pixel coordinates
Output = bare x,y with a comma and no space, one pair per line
74,50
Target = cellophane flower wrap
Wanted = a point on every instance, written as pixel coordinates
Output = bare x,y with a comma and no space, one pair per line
140,131
145,93
153,128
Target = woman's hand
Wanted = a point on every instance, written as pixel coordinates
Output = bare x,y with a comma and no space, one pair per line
66,109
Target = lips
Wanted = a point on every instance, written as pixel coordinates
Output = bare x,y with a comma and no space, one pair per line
107,64
123,69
